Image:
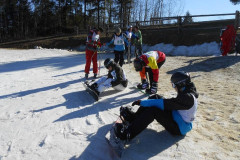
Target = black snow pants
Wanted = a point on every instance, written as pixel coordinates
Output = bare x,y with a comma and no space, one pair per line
119,57
145,115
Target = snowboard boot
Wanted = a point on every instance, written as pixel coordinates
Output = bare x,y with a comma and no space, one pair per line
127,115
95,75
143,85
121,132
86,75
148,91
94,88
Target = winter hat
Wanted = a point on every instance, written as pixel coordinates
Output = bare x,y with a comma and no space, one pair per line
118,30
129,27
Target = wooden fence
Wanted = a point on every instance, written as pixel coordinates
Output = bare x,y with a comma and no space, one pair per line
177,21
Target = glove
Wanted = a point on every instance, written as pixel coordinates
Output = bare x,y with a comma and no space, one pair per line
127,113
136,103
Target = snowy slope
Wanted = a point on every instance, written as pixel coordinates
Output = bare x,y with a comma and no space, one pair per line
45,112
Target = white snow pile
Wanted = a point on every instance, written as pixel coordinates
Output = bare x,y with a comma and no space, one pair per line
205,49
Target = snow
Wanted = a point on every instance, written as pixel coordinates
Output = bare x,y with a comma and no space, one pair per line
45,112
205,49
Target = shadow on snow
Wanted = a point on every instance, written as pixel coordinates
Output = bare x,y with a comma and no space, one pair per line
151,141
99,106
208,64
28,92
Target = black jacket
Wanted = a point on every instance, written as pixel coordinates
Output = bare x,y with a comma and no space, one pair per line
183,101
119,78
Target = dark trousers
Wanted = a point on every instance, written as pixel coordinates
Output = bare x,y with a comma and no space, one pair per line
126,51
138,50
145,115
119,57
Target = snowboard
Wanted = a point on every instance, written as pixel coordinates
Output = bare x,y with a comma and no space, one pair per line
117,145
90,91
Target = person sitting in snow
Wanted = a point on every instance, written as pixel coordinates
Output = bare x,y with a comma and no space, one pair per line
116,78
149,62
174,114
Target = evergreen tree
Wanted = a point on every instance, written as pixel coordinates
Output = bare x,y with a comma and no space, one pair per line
187,18
235,1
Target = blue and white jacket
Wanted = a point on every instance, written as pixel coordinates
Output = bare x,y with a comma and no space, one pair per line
183,107
119,42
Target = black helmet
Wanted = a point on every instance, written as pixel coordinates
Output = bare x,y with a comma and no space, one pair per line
180,78
108,62
118,30
138,64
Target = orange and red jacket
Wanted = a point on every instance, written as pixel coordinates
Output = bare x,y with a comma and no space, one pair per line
151,59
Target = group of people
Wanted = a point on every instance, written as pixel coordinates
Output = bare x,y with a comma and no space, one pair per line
122,42
174,114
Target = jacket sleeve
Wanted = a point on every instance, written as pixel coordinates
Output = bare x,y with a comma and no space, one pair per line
153,103
119,75
181,102
110,42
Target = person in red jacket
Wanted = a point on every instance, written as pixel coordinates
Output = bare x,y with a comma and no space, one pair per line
149,62
92,44
228,40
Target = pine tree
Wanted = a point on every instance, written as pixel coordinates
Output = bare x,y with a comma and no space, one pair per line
187,18
235,1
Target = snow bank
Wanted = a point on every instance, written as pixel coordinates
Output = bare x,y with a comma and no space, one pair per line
205,49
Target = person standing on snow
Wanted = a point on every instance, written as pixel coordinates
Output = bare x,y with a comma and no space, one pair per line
119,40
130,35
149,62
175,114
138,41
92,45
116,78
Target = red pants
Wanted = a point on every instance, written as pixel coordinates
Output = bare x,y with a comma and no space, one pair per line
91,56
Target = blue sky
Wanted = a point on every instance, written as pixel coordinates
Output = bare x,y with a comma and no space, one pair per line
199,7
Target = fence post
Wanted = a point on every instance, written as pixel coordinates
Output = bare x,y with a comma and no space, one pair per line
236,23
179,24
